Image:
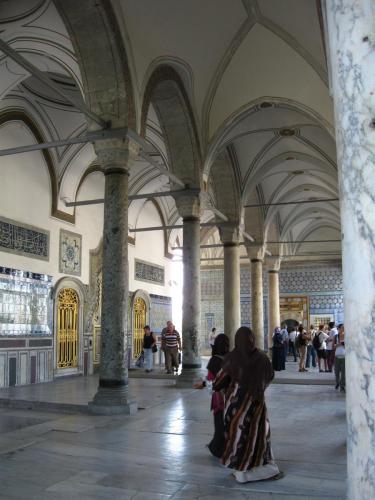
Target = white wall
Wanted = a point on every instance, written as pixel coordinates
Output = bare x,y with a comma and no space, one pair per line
149,246
25,197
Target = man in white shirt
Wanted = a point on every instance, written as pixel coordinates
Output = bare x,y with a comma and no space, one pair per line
340,358
211,339
332,334
321,349
292,342
311,353
285,337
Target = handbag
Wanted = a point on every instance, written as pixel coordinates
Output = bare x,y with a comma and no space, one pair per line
154,348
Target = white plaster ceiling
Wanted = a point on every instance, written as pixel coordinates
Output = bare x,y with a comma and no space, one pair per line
232,55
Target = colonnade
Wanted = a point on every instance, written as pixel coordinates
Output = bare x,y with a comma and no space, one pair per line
352,57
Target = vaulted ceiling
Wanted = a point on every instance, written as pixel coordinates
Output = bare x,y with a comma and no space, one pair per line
255,76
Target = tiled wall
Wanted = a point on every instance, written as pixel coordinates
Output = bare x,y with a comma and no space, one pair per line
26,343
160,312
321,284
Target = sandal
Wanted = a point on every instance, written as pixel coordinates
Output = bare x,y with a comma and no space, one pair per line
276,477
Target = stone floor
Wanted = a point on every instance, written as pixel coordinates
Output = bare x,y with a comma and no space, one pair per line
159,453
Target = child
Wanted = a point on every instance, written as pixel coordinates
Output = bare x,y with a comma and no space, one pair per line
219,350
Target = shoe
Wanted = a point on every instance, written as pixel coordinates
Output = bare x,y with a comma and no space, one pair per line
342,389
321,371
169,372
304,370
336,386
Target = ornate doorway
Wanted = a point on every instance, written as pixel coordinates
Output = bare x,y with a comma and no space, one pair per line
139,321
67,328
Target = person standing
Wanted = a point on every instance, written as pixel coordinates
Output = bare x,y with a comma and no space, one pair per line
245,375
285,337
332,334
311,353
220,350
340,358
319,342
302,348
292,343
278,351
172,344
211,340
162,346
149,344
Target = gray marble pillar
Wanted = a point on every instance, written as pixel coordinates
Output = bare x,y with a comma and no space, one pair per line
189,209
232,303
112,395
257,322
351,30
273,304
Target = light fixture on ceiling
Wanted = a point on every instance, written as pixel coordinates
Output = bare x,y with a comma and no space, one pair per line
298,172
287,132
306,189
265,104
290,158
315,211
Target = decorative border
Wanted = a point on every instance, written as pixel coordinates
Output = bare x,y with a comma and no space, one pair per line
74,235
151,265
29,228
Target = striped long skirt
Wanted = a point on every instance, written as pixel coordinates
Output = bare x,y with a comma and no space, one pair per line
247,431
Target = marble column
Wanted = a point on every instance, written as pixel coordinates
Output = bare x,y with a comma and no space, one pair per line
112,396
257,320
256,254
189,209
273,298
232,290
351,30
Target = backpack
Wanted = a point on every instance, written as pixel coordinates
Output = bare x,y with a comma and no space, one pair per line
316,341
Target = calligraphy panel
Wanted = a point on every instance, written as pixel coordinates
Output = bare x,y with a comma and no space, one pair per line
22,239
144,271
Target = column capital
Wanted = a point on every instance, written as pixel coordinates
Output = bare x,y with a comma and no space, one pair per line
116,154
273,264
189,206
229,235
256,252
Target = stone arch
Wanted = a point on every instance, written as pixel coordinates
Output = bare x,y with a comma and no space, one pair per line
225,183
166,91
99,48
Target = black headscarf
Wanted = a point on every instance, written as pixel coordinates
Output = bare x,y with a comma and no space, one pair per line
220,349
247,365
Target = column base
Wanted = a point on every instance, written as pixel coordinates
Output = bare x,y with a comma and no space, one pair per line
112,401
189,376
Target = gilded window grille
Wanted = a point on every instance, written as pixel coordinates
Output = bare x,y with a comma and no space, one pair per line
67,329
139,322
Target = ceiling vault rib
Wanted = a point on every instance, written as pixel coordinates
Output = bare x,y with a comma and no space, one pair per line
42,77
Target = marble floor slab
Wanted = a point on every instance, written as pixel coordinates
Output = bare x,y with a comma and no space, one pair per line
160,452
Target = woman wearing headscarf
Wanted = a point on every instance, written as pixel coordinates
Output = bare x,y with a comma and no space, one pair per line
219,351
245,375
278,350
